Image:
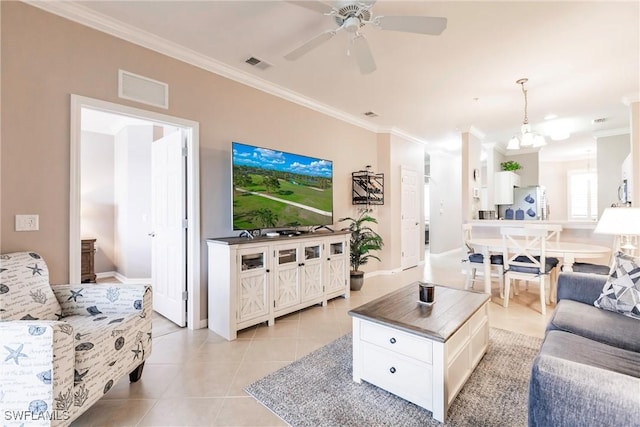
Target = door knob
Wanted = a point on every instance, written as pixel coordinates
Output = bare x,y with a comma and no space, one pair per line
152,234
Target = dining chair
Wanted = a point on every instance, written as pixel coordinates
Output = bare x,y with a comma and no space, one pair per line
525,258
475,261
553,235
626,244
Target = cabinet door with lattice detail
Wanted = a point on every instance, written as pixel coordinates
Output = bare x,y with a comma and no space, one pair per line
253,284
287,276
312,274
337,268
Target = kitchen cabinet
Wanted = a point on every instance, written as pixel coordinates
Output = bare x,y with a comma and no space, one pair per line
503,187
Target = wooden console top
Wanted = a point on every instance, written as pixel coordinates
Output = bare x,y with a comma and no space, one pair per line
279,239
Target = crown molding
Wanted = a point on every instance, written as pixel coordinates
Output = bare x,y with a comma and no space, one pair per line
611,132
477,133
401,134
87,17
631,99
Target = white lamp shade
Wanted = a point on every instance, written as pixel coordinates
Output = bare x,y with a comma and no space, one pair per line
619,222
513,144
539,141
527,139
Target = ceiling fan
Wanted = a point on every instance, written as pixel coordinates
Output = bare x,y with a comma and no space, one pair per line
351,16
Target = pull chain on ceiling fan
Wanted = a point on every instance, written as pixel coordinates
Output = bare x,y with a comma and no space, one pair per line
352,17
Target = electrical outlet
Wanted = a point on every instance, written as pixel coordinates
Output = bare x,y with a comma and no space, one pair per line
27,222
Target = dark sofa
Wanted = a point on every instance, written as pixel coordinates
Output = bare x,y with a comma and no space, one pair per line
588,370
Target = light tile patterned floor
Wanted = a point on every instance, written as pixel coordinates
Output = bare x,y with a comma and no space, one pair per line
196,378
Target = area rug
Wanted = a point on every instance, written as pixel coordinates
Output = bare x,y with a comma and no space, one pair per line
318,390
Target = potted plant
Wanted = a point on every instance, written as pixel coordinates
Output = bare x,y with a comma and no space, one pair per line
510,165
363,241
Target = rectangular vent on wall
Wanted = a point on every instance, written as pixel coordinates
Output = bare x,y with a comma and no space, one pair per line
258,63
142,89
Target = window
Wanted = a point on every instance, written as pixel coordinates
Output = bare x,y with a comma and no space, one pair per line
583,195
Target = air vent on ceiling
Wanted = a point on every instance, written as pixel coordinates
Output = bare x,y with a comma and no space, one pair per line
598,121
371,114
258,63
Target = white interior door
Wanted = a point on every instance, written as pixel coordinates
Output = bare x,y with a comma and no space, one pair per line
168,227
410,217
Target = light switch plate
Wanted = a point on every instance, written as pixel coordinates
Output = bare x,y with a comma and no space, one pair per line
27,222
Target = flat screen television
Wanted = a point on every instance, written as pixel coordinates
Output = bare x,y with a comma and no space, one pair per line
276,189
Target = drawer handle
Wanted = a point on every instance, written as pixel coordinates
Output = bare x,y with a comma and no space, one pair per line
392,340
392,370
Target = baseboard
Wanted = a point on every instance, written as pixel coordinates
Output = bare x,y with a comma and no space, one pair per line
105,274
203,323
449,252
382,272
124,279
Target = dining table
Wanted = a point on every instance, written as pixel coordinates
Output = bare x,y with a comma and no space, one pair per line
567,251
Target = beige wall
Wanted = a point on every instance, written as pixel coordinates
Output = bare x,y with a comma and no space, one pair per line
46,58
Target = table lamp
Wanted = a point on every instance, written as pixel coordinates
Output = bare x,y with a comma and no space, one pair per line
624,224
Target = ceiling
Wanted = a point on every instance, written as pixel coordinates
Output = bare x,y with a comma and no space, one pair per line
582,60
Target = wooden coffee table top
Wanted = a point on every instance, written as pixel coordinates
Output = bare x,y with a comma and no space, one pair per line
401,309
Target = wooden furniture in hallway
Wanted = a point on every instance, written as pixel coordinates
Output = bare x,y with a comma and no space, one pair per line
87,269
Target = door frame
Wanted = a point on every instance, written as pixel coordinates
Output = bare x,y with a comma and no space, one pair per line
192,191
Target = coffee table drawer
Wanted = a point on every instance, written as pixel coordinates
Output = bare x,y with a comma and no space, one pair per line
400,375
397,341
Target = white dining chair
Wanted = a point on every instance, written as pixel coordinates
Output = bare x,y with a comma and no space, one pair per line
524,255
474,262
553,235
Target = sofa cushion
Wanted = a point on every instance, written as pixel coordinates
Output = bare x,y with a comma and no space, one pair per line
25,293
577,382
599,325
550,263
568,346
586,267
621,293
479,258
101,341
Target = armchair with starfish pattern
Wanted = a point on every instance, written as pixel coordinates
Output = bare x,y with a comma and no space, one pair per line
62,347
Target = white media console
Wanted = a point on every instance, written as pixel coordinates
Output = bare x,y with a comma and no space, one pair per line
256,280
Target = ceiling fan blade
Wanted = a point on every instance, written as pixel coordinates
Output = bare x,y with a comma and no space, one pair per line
315,5
413,24
363,55
310,45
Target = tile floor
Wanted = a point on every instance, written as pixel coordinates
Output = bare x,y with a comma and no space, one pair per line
196,378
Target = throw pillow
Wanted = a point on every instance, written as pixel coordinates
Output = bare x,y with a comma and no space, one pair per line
621,292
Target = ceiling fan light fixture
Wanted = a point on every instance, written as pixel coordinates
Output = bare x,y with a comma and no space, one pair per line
353,15
352,24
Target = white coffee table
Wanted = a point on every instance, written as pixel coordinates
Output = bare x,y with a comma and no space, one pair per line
423,354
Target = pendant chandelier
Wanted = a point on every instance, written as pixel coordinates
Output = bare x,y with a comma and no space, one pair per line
527,138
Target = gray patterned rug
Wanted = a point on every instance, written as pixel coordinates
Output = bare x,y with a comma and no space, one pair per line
318,390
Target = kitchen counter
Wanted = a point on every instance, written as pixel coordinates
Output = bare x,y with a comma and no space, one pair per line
582,225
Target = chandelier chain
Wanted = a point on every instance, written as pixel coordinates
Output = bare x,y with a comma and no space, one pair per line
524,91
